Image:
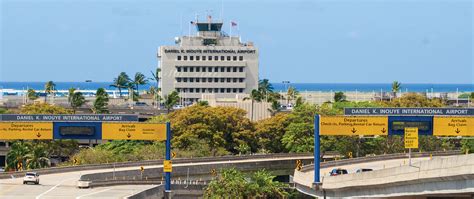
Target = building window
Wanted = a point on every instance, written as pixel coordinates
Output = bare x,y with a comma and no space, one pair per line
235,69
198,79
228,58
228,79
234,58
228,90
241,69
191,90
191,69
222,69
216,58
241,58
209,79
198,90
204,69
209,69
198,58
234,90
179,57
203,58
198,69
185,69
191,79
185,58
234,79
178,79
216,80
222,58
191,58
216,90
222,90
204,79
241,79
178,69
209,58
178,90
185,79
241,90
228,69
222,79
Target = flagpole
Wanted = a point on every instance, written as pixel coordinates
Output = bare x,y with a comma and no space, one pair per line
230,31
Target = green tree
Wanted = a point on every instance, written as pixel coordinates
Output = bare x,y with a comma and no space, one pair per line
17,154
49,89
77,101
270,131
101,102
203,103
31,94
261,185
291,94
396,86
339,97
3,111
121,82
154,91
299,133
70,95
413,100
275,108
37,157
156,76
171,100
265,88
467,145
139,79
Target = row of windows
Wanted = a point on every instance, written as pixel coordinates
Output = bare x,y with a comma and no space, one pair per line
209,69
215,80
210,58
210,90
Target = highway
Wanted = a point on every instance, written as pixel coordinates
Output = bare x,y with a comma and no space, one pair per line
62,185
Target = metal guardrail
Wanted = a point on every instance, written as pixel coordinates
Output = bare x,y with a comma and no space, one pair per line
53,170
342,162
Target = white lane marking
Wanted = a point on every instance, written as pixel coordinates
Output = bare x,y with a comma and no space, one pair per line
79,197
52,188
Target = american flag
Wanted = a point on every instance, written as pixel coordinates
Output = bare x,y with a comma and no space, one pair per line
233,23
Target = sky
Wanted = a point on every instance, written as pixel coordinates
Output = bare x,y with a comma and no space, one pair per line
302,41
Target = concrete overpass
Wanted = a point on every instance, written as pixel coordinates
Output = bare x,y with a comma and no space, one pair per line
63,184
439,177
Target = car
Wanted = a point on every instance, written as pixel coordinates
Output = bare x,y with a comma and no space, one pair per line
338,171
363,170
178,106
31,177
140,104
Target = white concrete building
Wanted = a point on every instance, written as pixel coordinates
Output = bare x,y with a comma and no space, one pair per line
209,62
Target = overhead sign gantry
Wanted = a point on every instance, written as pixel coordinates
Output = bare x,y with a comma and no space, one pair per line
410,122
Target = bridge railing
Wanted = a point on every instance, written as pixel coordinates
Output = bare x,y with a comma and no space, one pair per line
137,164
341,162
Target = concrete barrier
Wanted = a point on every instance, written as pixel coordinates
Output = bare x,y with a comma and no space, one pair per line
178,191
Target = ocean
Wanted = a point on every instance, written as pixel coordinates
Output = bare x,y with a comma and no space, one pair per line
326,87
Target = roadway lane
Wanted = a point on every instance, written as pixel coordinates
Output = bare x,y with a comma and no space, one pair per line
306,178
63,185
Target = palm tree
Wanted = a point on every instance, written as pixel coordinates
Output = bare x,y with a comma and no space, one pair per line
291,94
171,100
156,77
265,88
122,81
255,95
71,92
31,94
17,156
396,86
139,79
37,158
49,88
339,97
77,100
101,101
275,107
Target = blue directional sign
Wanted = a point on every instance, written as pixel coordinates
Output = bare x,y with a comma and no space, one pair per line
77,130
69,118
397,124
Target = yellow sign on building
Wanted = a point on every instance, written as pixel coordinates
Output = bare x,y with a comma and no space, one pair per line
411,138
339,125
133,131
26,130
453,126
167,166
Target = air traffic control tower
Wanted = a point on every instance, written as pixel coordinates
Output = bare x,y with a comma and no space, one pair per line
209,62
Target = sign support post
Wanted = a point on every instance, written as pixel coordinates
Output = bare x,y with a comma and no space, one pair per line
168,157
317,161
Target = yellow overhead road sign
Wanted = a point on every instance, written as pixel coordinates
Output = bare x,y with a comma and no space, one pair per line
339,125
26,130
453,126
133,131
411,138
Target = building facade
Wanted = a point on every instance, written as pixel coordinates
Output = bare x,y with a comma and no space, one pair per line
209,62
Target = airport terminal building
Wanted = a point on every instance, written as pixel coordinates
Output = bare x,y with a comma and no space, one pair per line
209,63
